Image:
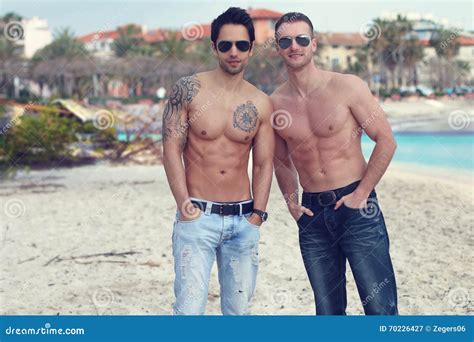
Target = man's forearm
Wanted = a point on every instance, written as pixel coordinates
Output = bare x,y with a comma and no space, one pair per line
287,178
378,164
175,173
261,184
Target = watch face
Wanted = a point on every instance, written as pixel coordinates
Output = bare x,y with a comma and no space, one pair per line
264,216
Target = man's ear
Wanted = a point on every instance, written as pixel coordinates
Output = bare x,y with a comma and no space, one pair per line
214,48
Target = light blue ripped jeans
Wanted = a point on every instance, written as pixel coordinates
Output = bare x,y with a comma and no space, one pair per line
196,243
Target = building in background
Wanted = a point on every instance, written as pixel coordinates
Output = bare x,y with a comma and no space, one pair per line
36,35
264,21
100,43
337,51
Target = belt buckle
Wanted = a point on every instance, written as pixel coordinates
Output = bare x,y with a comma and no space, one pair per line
333,200
208,210
221,209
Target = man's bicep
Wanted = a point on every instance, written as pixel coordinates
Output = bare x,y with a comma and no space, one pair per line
174,128
281,148
367,112
175,116
264,142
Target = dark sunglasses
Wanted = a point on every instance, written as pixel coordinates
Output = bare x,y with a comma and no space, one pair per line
225,45
302,40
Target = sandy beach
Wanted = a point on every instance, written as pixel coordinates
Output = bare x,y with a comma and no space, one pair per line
97,240
423,114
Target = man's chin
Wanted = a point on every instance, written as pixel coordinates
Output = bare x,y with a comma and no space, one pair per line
233,71
296,64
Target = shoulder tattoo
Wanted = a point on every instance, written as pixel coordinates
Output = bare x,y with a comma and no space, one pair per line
182,94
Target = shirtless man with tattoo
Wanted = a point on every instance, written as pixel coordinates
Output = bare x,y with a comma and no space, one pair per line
211,122
320,117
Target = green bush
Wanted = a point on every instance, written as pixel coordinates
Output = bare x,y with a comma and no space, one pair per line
45,138
38,139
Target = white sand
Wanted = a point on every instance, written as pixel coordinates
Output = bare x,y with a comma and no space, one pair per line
445,115
97,209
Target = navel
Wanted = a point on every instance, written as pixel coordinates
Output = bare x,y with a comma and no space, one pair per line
222,172
247,137
203,132
331,127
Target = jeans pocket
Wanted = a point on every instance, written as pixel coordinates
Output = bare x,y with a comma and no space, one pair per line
298,221
349,208
201,213
249,223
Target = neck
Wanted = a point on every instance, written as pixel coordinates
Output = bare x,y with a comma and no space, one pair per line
229,81
304,80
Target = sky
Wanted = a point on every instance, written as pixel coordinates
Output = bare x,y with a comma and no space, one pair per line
87,16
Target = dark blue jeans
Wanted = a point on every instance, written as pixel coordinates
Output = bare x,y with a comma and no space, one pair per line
331,237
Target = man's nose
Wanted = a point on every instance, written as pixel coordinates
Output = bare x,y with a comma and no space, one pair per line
294,45
233,50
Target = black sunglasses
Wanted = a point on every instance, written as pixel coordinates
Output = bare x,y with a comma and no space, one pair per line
302,40
225,45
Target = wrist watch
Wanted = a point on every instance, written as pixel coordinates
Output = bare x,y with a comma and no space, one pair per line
263,214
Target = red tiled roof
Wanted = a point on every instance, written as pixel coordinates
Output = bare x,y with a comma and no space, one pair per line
466,40
462,40
196,30
151,36
154,36
261,13
100,35
206,30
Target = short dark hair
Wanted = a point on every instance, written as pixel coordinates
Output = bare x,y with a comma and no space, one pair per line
234,15
292,17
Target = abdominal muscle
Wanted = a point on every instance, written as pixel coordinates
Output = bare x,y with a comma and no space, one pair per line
217,171
323,170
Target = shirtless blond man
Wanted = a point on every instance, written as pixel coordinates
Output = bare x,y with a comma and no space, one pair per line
319,119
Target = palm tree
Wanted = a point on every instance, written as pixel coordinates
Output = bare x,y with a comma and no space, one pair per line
376,47
64,44
362,65
64,62
403,35
129,42
412,55
174,46
447,47
396,48
12,62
